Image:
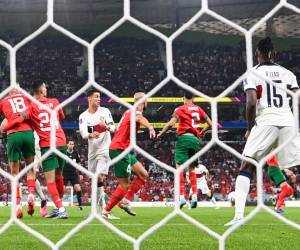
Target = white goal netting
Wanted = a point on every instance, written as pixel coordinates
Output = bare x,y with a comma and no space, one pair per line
170,77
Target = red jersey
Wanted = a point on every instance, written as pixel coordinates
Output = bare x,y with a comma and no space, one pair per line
11,106
189,116
272,161
121,138
40,119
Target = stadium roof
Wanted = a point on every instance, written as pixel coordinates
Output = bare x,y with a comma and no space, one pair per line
88,14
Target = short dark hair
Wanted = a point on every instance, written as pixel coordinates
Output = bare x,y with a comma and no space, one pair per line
36,85
90,92
188,95
265,46
71,139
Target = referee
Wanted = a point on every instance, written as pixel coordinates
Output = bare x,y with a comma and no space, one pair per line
71,173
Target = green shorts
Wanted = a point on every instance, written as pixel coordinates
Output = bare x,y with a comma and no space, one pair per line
53,161
186,146
123,167
20,144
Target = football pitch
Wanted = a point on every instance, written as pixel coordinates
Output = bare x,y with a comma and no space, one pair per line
263,232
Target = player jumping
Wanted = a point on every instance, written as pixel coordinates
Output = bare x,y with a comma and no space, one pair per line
270,121
189,116
125,191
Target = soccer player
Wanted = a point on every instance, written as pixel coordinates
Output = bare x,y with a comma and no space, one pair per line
189,116
20,142
279,180
70,173
202,175
52,165
96,124
270,121
125,191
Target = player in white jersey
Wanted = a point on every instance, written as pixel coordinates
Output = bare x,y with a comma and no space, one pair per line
270,120
96,124
202,175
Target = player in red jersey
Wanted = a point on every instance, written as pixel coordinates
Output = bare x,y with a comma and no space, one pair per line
189,116
279,180
125,191
20,142
52,165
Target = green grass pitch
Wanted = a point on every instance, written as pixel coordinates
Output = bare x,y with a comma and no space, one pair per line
263,232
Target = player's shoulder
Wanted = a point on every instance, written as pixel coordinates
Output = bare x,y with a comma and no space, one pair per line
103,109
83,114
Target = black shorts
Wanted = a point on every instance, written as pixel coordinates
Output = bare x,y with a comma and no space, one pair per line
73,179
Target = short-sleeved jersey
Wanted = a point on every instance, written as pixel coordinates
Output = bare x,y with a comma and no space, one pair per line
190,117
40,120
121,139
201,172
87,121
70,169
273,103
11,106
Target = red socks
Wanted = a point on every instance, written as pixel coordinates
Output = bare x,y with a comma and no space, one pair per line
193,182
286,191
18,195
134,187
31,186
52,190
60,186
182,185
115,198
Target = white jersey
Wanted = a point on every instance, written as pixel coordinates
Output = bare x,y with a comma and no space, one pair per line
87,121
273,107
201,172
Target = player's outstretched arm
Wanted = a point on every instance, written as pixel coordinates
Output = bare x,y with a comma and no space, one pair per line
168,126
144,122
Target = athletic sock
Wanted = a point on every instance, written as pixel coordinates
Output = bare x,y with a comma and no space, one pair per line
193,182
100,192
286,190
78,195
182,187
52,190
39,191
213,200
242,186
60,186
18,194
31,185
134,187
115,198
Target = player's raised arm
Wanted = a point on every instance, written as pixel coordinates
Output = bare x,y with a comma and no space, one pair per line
170,124
207,125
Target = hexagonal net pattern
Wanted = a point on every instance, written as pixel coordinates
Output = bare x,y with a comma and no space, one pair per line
170,76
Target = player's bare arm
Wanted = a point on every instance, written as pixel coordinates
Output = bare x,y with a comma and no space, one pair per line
144,122
170,124
207,126
250,109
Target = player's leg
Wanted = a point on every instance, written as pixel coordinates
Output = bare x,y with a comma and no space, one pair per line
258,145
210,195
28,151
14,156
78,192
193,184
50,165
39,191
122,171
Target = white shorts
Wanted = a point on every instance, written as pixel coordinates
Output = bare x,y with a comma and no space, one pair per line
99,164
263,138
203,187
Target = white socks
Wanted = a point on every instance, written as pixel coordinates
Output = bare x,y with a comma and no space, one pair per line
242,186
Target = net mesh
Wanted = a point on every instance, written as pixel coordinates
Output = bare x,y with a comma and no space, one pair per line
170,77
